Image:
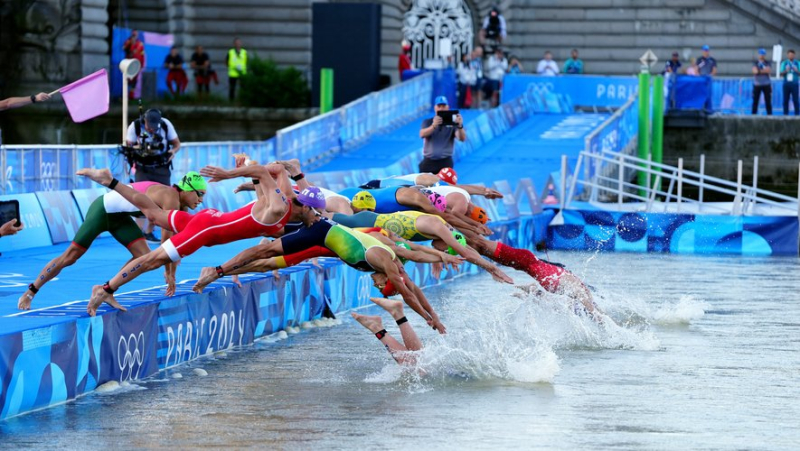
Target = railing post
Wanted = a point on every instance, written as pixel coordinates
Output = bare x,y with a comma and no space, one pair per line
755,181
738,199
620,174
680,184
702,180
563,181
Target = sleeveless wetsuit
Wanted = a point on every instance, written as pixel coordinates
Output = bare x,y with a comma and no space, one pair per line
210,227
385,198
111,213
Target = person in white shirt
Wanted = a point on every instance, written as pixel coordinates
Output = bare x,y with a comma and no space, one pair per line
496,67
467,80
547,66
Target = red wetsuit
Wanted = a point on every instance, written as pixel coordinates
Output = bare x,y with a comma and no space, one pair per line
547,274
210,227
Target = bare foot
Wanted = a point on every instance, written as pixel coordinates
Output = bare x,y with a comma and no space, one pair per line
373,323
395,308
207,275
24,302
101,176
235,280
99,296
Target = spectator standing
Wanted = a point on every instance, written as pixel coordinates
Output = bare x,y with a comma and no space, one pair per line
706,64
547,66
514,66
692,68
494,27
134,49
673,65
573,65
236,60
790,70
404,60
467,81
203,73
477,64
761,82
176,75
439,140
496,67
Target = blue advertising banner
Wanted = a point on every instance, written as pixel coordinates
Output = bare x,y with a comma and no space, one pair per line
61,213
584,90
675,233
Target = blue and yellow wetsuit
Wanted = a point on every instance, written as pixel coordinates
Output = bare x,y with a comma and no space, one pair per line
385,198
403,223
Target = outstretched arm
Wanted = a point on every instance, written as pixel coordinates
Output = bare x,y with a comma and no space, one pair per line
478,190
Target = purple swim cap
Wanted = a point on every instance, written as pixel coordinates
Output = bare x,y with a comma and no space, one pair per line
312,197
438,201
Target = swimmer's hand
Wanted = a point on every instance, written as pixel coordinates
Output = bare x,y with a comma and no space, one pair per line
436,270
452,260
247,186
276,274
170,281
437,325
240,159
492,194
500,276
215,174
235,280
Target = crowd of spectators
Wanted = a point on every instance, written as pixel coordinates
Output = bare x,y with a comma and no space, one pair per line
200,63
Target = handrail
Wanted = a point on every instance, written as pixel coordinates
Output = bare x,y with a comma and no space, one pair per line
745,196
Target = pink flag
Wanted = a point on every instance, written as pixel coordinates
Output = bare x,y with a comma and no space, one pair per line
88,97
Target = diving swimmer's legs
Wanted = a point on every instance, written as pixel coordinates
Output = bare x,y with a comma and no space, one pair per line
398,351
153,212
130,271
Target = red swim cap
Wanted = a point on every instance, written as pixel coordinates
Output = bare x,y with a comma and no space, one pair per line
389,289
448,175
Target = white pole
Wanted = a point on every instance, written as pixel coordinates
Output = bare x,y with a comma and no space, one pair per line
755,185
124,107
738,199
563,181
798,190
702,179
621,172
680,183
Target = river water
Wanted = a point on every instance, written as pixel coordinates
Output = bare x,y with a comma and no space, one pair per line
704,354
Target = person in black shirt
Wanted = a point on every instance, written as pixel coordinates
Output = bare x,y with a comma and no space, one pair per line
176,76
203,72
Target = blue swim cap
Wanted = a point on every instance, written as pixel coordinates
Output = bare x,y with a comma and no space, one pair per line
441,100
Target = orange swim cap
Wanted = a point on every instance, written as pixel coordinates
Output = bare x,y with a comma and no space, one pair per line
479,214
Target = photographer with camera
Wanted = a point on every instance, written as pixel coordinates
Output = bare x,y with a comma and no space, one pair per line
152,144
439,134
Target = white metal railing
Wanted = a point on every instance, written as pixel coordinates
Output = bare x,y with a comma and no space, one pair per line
746,197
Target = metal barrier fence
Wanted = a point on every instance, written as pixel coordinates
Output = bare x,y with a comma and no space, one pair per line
747,198
735,96
619,133
320,138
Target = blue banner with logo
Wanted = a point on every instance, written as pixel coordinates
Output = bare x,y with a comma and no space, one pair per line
584,90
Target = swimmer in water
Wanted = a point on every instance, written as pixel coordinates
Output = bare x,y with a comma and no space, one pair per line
402,353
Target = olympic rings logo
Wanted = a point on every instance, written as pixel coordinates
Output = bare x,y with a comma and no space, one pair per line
364,287
541,88
130,356
47,175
